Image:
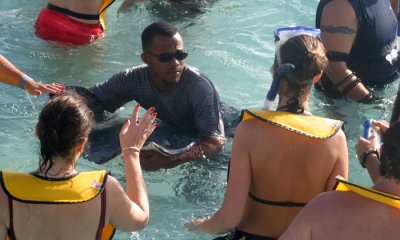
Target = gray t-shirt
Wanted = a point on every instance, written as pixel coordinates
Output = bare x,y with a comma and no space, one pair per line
193,104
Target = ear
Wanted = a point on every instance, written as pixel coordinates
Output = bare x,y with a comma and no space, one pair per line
145,58
81,146
318,77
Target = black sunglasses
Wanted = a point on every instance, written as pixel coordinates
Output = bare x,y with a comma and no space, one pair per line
168,57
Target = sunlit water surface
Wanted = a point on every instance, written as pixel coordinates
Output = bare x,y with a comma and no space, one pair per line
231,42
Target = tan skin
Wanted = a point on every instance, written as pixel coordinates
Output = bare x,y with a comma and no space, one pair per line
165,76
290,167
341,18
346,215
84,7
372,162
337,14
11,75
127,211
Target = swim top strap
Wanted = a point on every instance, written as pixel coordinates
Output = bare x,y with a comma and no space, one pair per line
72,13
273,203
10,232
102,214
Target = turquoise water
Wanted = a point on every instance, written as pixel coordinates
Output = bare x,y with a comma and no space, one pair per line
231,42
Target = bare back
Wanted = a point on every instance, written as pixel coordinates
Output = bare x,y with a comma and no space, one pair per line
51,221
84,7
346,215
70,221
287,167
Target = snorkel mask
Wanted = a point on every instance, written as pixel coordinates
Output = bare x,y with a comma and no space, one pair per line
281,35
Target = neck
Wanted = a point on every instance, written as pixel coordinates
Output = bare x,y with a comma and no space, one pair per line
61,168
157,83
284,99
387,185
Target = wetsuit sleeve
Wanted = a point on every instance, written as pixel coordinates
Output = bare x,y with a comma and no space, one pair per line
207,110
116,91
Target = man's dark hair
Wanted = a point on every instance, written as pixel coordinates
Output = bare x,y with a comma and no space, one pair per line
390,155
157,28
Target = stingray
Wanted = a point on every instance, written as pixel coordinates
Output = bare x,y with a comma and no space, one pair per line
103,143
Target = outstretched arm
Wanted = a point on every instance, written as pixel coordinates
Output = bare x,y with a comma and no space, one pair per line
153,160
339,26
130,211
11,75
232,210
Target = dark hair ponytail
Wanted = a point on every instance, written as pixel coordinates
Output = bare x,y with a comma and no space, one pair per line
64,122
308,56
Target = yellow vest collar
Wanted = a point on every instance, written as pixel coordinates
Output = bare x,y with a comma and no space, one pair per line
310,126
382,197
29,188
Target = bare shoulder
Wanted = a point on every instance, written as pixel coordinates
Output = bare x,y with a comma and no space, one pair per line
339,6
340,136
112,185
244,127
338,12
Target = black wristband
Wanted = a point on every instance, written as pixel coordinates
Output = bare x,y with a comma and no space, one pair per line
350,86
364,156
369,98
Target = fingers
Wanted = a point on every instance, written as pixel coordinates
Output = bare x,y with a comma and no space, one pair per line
55,88
151,129
363,140
382,125
135,113
148,118
125,127
37,93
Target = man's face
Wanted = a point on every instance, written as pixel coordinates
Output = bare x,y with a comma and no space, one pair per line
162,57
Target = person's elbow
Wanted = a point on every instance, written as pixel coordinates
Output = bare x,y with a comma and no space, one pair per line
142,223
138,223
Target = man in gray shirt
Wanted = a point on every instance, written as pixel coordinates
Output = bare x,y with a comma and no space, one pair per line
182,95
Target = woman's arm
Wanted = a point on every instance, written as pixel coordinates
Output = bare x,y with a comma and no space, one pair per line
231,212
130,211
372,162
11,75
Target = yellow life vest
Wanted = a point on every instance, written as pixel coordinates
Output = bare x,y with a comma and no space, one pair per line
102,12
310,126
382,197
83,187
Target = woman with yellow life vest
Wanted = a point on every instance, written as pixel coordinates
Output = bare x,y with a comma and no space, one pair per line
72,21
58,202
280,159
354,211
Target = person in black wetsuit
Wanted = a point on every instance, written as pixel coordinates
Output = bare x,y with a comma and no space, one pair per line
360,37
277,166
